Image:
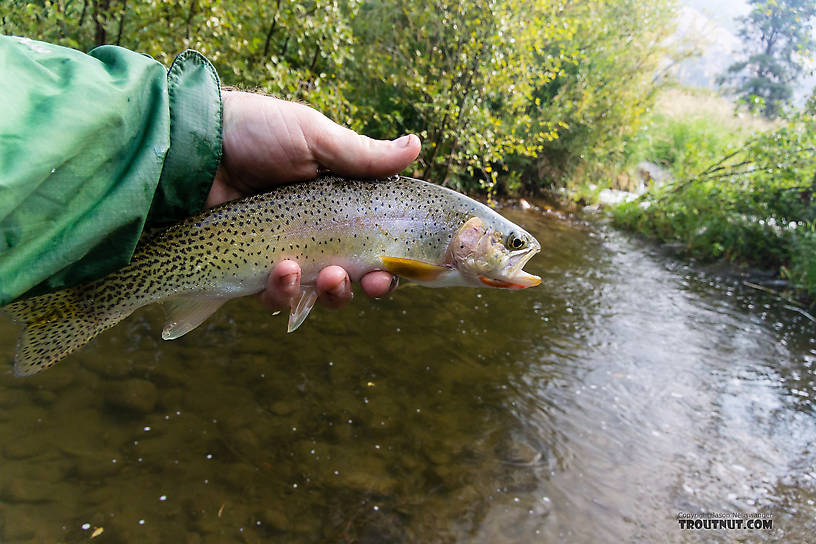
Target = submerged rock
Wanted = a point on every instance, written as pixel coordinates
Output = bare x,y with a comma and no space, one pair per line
245,440
134,395
106,367
26,490
282,408
55,380
11,398
17,526
519,452
23,448
95,467
370,478
274,520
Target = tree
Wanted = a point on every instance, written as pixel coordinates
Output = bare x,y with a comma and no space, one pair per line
497,87
618,60
504,93
778,35
294,50
455,72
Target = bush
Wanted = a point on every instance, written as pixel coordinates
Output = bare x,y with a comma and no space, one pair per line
755,205
802,269
690,129
504,93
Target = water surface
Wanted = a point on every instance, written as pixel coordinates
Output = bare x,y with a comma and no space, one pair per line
627,388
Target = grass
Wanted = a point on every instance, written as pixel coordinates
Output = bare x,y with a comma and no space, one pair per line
688,130
743,188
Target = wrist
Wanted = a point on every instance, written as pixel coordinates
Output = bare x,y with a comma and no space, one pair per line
223,188
196,135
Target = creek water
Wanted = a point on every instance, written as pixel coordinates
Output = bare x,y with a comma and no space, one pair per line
627,388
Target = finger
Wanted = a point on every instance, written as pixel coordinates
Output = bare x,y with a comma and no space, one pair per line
282,285
379,283
347,153
334,286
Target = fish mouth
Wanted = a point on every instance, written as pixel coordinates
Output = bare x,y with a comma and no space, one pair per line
519,258
518,276
515,277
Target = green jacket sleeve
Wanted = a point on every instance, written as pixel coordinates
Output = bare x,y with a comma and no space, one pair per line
92,148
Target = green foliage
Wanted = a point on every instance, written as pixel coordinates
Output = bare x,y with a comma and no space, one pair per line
292,49
505,93
756,205
682,146
688,130
779,37
505,90
450,72
609,83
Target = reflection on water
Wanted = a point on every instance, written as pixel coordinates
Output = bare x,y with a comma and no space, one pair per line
626,389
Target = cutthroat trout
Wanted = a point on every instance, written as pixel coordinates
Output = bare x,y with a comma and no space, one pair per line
417,230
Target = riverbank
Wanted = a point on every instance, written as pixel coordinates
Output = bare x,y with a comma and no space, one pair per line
750,276
732,188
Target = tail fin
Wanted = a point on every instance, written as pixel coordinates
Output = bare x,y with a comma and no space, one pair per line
57,324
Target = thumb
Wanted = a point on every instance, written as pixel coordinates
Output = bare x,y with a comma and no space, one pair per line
347,153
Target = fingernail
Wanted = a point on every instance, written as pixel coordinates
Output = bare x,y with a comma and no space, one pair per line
341,289
404,141
289,281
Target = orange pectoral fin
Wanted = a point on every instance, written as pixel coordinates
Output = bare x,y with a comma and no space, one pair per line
501,284
412,269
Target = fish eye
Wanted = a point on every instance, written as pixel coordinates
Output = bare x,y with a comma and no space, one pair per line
514,242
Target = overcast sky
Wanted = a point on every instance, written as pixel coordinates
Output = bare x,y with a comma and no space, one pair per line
723,12
714,25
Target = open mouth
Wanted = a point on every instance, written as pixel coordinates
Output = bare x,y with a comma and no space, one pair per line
519,258
516,278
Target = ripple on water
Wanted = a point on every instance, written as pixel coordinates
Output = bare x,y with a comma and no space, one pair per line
629,387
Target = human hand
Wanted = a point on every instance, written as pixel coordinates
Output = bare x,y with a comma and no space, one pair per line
268,141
